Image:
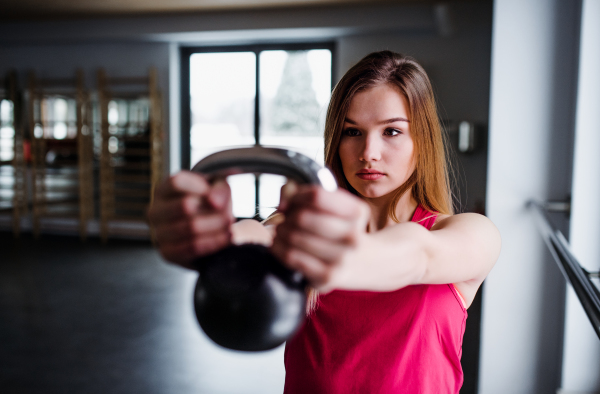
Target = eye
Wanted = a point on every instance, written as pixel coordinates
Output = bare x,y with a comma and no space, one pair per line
392,132
351,132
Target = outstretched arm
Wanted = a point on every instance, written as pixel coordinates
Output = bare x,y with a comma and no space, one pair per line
324,237
461,249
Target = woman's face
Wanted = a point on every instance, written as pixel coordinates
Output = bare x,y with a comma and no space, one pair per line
376,148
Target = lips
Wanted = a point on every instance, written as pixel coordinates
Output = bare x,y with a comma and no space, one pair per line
369,175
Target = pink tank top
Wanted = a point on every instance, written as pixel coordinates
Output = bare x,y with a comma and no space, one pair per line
403,341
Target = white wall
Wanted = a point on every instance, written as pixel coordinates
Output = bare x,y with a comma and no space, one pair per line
531,117
581,369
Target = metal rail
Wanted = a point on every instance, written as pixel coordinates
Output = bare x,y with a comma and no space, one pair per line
577,276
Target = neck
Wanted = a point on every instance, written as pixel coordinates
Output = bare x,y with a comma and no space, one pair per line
405,209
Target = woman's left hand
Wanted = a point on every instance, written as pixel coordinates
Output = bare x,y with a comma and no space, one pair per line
321,234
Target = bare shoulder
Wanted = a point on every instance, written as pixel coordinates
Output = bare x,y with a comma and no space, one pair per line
468,221
475,243
471,231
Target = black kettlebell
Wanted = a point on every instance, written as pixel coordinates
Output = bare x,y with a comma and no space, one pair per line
245,299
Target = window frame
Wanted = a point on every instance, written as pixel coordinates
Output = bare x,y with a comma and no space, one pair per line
185,99
187,52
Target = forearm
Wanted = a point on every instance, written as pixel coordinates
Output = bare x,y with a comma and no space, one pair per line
462,248
390,259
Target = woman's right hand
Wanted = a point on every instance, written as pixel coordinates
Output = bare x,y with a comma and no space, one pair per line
191,217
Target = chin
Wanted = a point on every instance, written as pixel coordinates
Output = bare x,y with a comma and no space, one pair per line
370,193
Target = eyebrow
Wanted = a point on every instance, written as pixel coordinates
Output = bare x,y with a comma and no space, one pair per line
392,120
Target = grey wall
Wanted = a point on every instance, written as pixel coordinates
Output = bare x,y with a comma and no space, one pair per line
287,23
61,60
459,67
119,59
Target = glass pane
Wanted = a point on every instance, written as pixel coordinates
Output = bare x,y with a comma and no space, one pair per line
128,117
270,191
7,131
6,112
222,92
295,87
57,114
243,194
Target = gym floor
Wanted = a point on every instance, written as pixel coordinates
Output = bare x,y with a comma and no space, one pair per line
83,317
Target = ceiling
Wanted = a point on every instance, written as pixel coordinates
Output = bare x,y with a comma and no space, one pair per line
52,9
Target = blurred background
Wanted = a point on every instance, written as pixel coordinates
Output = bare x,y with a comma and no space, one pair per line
100,100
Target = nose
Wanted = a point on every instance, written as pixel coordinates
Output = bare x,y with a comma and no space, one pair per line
371,148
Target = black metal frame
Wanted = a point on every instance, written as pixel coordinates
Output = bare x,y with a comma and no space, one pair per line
577,276
187,52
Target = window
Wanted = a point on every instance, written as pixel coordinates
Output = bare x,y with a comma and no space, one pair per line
7,130
265,95
55,117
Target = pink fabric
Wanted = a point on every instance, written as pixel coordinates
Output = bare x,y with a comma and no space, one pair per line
424,217
403,341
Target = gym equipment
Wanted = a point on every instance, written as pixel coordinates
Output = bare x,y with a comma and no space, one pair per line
131,149
62,164
13,167
245,299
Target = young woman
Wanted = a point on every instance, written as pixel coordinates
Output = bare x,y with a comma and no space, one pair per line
393,270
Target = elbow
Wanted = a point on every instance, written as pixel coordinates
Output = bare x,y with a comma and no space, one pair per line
422,261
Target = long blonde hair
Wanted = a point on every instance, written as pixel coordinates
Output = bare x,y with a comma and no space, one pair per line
430,181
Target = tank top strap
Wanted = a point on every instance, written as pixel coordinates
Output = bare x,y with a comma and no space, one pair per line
424,217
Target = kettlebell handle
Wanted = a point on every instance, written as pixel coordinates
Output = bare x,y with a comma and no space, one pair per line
245,299
263,160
